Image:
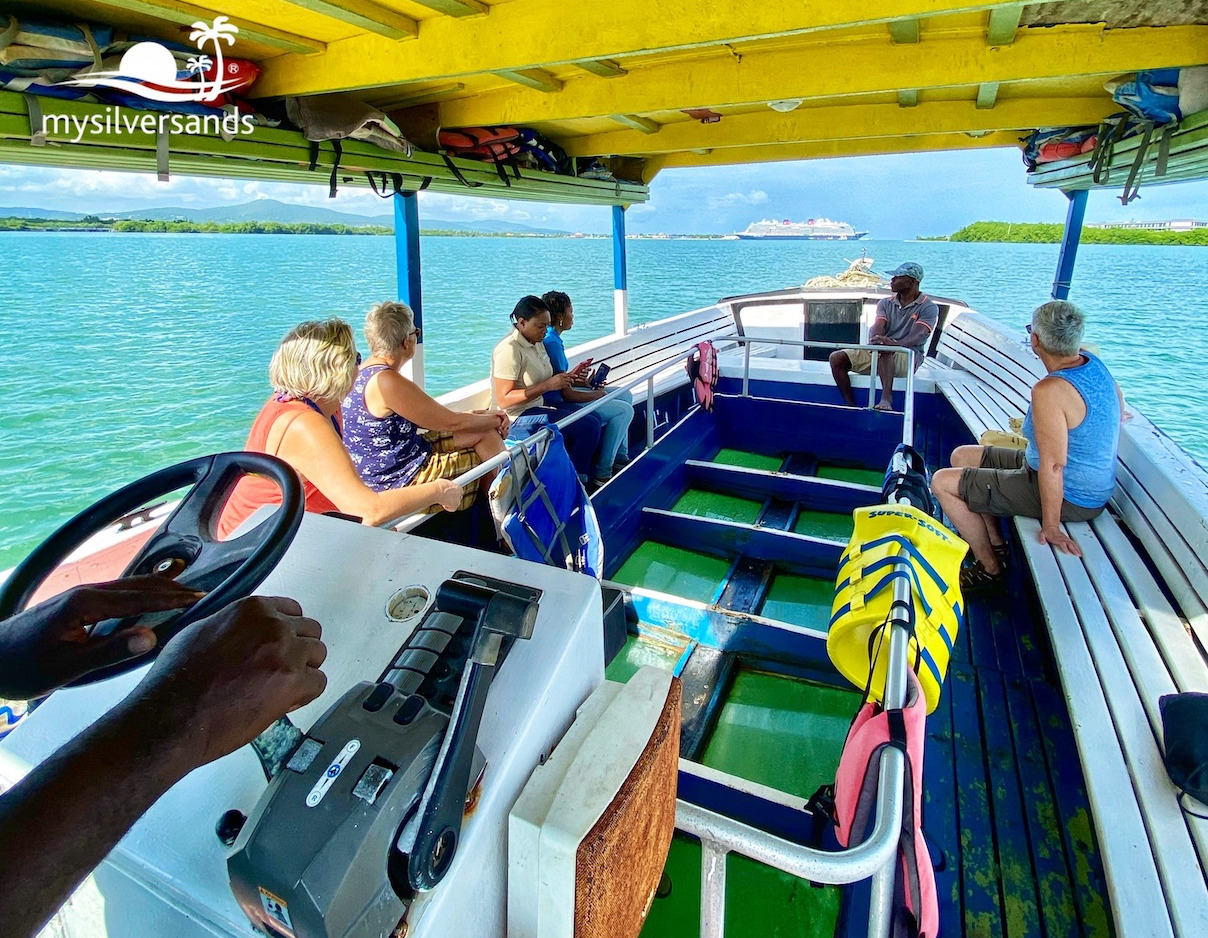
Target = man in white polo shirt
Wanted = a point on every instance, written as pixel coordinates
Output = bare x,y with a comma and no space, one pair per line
904,320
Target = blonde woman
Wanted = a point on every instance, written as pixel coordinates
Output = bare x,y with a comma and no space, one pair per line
311,372
397,434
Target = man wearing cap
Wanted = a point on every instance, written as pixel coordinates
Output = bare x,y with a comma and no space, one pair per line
904,320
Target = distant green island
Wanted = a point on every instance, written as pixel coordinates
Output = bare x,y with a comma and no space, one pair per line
93,223
1045,233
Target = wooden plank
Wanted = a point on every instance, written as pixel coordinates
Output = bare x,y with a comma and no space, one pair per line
1014,394
908,97
981,634
1172,478
1003,22
987,94
185,14
1132,875
603,68
1054,892
536,78
1179,653
980,872
969,412
1172,848
637,122
458,8
904,30
1075,827
941,824
1021,918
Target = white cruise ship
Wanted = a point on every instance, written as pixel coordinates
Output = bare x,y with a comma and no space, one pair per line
813,229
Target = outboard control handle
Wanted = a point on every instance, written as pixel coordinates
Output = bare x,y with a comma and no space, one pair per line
429,841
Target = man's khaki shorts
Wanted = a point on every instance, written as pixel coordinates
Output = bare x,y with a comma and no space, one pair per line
861,361
447,463
1006,486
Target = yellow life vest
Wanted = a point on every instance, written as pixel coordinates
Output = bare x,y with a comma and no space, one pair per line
891,542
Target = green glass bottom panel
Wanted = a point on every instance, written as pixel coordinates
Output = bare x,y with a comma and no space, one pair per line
800,600
639,652
745,460
673,570
760,902
714,505
847,474
781,731
829,524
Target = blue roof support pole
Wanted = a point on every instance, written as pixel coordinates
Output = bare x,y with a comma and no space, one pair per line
1069,242
410,281
620,272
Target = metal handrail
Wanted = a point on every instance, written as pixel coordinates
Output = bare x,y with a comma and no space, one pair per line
473,475
874,857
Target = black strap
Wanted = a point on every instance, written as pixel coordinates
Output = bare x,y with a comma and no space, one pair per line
1164,150
502,172
457,173
314,156
1182,795
333,183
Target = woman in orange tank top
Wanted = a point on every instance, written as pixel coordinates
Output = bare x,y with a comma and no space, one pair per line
311,372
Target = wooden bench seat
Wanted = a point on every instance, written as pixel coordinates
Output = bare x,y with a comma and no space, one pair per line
1119,643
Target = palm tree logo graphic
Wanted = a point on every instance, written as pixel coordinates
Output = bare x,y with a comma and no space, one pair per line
149,70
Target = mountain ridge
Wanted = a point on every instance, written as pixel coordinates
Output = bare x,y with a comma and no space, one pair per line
274,210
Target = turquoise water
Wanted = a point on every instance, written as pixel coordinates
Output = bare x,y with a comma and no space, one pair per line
120,354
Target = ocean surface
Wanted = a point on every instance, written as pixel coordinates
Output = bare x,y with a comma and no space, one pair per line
124,353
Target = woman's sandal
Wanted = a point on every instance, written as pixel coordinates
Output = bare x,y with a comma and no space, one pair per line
975,578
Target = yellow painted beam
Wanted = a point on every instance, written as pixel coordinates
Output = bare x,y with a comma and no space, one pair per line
876,146
537,78
644,125
845,122
604,68
430,96
831,70
364,15
455,7
186,14
534,34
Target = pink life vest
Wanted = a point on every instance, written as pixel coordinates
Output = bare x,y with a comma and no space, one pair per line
916,906
702,371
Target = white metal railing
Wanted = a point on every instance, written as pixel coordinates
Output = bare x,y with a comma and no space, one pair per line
877,350
645,376
875,857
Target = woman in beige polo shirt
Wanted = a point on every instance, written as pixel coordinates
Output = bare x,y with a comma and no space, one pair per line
522,377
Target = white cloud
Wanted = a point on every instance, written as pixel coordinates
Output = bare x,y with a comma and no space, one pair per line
753,197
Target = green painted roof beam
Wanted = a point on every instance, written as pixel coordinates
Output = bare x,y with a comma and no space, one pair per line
1004,21
536,78
604,68
987,94
633,121
904,30
455,7
908,97
364,15
186,14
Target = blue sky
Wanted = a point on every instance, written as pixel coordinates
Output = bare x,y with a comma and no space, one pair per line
892,196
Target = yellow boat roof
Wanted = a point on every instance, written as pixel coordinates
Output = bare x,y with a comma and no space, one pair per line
632,79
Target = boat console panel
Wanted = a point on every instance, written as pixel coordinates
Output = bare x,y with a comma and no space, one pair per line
449,671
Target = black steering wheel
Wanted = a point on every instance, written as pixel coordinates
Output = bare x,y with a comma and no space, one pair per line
185,547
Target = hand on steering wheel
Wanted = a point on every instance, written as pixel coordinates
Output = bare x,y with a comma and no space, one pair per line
185,549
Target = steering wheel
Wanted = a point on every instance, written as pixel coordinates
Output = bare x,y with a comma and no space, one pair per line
185,547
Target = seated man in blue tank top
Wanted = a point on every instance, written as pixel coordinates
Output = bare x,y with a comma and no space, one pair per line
1068,470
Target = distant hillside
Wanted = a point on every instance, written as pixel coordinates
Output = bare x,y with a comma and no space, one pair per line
270,210
1050,233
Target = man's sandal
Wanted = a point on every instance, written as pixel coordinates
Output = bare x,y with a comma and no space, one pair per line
975,578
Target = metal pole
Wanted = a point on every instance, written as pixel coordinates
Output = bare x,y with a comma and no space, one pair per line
650,412
746,369
620,273
410,281
1069,242
908,407
712,890
872,378
881,899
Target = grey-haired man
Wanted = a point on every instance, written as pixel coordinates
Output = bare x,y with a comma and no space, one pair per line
904,320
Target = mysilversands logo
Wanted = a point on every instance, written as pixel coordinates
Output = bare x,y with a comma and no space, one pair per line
149,70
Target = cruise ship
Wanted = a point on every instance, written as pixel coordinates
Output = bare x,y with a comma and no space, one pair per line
813,229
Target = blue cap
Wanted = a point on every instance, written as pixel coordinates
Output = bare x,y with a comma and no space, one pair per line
908,270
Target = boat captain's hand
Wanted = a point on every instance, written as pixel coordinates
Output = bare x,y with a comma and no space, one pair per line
226,678
48,645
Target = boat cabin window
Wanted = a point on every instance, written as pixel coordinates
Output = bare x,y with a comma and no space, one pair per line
831,321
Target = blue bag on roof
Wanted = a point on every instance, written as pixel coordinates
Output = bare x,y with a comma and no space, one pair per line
543,512
1151,95
32,46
